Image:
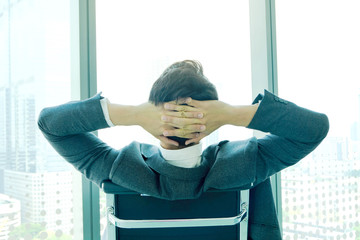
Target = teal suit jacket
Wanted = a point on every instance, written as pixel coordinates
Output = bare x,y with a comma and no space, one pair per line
294,133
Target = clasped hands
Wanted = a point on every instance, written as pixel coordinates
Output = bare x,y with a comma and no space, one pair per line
185,118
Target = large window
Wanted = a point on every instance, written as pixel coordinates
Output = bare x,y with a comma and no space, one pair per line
318,68
37,196
137,40
318,62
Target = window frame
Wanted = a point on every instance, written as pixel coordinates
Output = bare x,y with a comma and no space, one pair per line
264,69
83,85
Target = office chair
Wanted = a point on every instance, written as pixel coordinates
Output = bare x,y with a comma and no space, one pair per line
215,215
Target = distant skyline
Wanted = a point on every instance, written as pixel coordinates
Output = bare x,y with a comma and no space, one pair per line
318,68
35,73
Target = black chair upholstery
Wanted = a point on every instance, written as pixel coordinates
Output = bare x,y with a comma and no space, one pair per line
129,205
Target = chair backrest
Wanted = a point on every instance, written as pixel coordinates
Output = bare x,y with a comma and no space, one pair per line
219,214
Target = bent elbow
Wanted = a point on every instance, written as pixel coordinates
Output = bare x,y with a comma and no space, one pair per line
319,129
324,127
44,114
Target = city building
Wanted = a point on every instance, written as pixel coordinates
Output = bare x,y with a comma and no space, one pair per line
46,198
10,215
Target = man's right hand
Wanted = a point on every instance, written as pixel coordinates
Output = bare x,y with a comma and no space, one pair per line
153,119
214,116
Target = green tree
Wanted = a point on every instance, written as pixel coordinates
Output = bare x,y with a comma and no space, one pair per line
50,235
26,229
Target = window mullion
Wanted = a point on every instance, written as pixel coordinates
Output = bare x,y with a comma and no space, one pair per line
87,51
264,66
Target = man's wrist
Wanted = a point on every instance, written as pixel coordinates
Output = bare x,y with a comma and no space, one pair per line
138,115
241,115
124,115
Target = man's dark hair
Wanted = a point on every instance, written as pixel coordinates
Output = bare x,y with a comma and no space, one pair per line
181,80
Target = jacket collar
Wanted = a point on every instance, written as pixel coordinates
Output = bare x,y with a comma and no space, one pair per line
155,160
188,157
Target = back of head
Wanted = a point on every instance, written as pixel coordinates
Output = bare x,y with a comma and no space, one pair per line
181,80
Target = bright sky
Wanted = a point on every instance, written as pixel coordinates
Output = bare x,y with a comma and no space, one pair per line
319,58
137,40
318,55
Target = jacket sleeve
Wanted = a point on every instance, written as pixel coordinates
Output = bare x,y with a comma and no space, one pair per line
68,128
294,133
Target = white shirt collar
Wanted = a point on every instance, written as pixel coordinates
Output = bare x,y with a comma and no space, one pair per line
187,157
